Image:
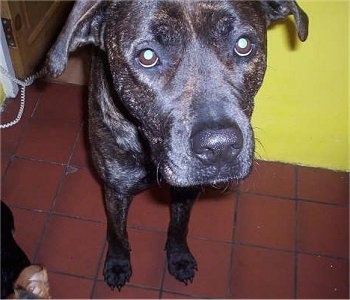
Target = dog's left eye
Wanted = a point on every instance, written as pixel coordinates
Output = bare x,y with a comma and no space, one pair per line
147,58
243,46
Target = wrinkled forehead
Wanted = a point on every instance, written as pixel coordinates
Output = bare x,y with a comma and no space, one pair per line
173,21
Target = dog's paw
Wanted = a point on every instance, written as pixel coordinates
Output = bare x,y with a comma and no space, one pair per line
182,265
117,272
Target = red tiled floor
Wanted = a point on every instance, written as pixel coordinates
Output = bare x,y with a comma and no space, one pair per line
5,160
80,187
50,140
322,277
275,179
147,257
10,137
266,221
29,236
283,233
61,102
63,286
323,185
153,201
72,246
213,215
166,295
31,184
102,291
323,229
262,273
81,156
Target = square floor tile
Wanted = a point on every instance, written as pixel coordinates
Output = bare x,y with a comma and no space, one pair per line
72,246
261,273
63,286
28,237
275,179
213,259
31,184
323,229
322,277
323,185
62,102
50,140
102,291
212,216
266,221
81,196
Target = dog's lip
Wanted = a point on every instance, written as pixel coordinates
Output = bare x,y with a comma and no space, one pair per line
216,178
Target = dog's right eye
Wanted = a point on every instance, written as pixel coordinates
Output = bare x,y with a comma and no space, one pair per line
243,46
147,58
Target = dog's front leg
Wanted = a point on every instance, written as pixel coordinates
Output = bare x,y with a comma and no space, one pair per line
117,269
181,263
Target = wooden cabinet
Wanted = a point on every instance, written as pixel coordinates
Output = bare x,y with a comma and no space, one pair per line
34,25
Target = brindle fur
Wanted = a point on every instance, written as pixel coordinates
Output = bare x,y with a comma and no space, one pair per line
172,121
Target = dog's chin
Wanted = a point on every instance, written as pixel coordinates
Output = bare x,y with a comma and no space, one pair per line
205,177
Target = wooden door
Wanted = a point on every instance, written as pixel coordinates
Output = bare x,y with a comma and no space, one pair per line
34,25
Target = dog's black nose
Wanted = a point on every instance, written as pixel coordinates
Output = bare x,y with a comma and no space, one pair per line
217,146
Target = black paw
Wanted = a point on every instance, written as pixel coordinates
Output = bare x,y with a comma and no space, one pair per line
182,265
117,272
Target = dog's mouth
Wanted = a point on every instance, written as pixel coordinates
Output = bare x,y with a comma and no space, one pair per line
212,176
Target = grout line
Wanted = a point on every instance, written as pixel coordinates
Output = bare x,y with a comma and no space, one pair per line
235,223
161,288
9,163
99,264
42,161
293,198
86,277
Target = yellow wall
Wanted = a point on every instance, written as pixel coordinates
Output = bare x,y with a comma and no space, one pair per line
301,112
2,94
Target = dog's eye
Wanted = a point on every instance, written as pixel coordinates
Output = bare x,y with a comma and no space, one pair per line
243,46
147,58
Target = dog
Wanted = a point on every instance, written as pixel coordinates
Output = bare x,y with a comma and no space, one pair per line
13,258
32,283
171,95
19,278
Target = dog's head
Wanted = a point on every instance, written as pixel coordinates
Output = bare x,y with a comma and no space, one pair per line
188,72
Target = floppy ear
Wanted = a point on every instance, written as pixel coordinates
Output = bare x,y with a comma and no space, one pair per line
278,10
83,26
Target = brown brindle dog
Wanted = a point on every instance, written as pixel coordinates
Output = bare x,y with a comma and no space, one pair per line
171,96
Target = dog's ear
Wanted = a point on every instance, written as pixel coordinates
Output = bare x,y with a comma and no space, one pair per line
83,26
278,10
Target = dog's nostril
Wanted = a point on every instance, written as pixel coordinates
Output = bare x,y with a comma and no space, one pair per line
217,146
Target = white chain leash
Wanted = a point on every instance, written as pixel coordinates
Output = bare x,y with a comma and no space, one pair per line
28,81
